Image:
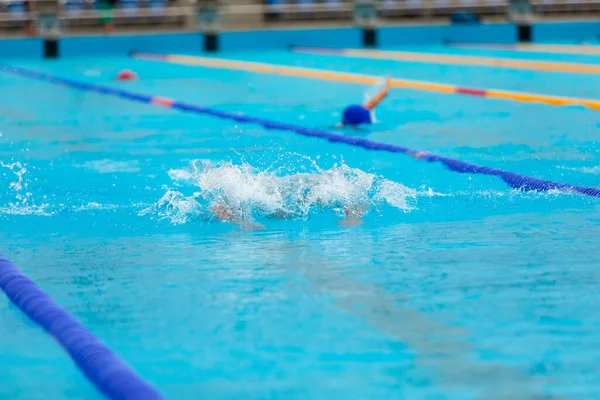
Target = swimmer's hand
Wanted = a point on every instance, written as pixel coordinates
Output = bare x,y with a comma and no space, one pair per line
355,212
388,84
353,216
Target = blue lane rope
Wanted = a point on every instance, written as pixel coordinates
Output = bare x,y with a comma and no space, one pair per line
514,180
102,367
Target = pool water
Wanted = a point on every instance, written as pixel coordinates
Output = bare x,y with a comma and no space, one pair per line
454,286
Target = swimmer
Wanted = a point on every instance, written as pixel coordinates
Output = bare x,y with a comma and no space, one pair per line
353,215
225,213
358,114
222,211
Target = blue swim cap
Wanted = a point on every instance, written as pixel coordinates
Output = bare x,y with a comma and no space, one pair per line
356,115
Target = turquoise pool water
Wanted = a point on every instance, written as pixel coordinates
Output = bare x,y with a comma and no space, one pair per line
453,287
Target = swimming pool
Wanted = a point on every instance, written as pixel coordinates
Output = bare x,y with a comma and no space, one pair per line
455,286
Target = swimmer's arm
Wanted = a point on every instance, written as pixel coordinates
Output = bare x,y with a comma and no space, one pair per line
372,103
356,211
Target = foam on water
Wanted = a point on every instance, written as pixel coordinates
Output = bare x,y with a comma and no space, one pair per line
273,193
175,207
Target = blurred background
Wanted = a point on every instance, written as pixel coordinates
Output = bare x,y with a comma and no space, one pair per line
28,17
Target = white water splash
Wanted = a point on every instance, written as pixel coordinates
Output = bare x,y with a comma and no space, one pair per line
180,176
18,170
250,192
23,203
174,207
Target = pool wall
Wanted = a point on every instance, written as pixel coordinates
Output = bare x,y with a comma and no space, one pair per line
284,38
390,36
279,39
574,31
123,44
21,48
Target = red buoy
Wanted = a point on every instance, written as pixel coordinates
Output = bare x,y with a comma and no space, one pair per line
126,75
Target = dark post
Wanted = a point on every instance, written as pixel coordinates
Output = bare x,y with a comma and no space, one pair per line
521,14
49,30
525,33
369,37
51,48
208,23
365,16
211,42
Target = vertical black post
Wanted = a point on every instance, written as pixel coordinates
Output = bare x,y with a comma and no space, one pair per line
369,37
51,48
525,33
211,42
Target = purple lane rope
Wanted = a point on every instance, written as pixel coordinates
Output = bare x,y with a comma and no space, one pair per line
101,366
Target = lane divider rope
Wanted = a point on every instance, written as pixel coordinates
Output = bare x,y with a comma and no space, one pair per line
495,62
100,365
514,180
532,48
368,80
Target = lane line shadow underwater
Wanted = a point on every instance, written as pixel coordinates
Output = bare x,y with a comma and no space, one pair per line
514,180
